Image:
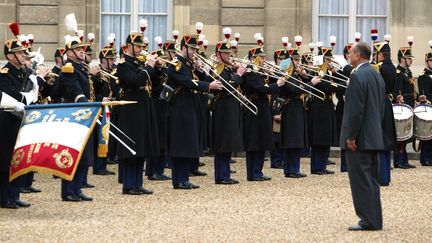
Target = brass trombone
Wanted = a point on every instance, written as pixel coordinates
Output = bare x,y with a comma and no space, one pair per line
323,74
230,89
336,65
277,73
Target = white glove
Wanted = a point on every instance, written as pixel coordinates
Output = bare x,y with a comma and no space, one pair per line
8,101
19,107
33,79
30,97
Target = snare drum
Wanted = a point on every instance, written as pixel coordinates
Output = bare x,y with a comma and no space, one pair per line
423,122
403,116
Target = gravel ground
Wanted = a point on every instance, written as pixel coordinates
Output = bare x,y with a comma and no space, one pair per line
313,209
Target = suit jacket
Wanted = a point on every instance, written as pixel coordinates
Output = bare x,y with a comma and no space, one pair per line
364,109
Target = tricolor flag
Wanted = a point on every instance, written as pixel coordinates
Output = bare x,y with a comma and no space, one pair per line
52,138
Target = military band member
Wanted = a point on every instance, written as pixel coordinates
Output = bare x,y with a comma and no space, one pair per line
104,88
323,131
257,130
155,165
226,132
92,71
404,91
425,91
277,154
184,119
340,95
294,123
382,58
75,84
14,84
138,120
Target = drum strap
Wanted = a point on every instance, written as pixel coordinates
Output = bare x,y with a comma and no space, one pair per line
417,146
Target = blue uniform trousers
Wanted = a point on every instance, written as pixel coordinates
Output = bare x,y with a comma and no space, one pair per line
100,164
292,161
276,157
426,152
120,171
74,187
400,155
155,165
385,161
222,166
319,157
254,164
133,171
181,168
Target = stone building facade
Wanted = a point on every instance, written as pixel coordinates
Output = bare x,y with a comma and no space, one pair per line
273,18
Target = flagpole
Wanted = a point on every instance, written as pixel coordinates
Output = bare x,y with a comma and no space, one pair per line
119,140
81,104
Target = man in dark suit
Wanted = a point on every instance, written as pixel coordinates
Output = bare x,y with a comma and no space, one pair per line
362,137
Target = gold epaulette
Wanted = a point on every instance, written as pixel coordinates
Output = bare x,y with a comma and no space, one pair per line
398,71
122,60
4,70
67,68
219,68
376,67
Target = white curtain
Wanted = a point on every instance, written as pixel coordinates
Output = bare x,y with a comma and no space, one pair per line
365,24
114,23
157,24
337,26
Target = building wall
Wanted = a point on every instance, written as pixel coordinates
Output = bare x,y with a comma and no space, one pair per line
273,18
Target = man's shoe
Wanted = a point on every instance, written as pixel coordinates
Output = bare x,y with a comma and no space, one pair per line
185,186
145,191
200,164
384,184
277,166
401,166
84,197
33,190
157,177
410,166
193,186
317,172
360,228
426,164
198,173
301,175
227,182
71,198
131,192
291,175
87,185
232,161
328,172
256,179
11,205
22,204
100,173
110,172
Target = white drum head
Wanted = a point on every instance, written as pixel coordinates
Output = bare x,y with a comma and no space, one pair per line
402,112
423,112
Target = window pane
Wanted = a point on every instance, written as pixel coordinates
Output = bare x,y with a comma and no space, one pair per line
333,7
372,7
157,26
116,6
152,6
364,26
120,25
337,26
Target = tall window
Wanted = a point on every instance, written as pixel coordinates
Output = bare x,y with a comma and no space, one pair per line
122,16
342,18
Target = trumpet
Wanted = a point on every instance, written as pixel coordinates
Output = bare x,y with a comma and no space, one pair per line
336,65
274,71
105,75
230,89
143,58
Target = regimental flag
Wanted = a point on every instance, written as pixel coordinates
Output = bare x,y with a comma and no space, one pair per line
52,138
103,133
